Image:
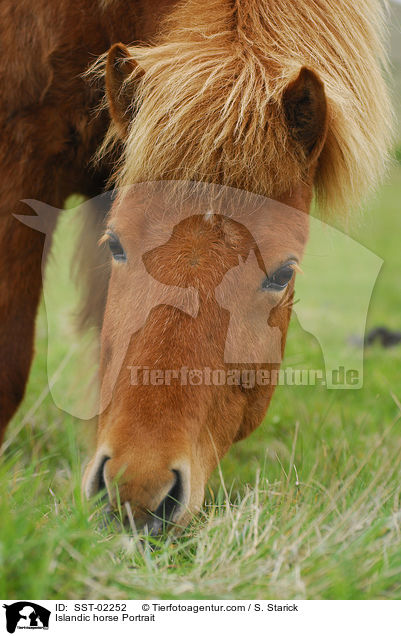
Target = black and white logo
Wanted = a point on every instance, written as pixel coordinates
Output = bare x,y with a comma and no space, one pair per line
26,615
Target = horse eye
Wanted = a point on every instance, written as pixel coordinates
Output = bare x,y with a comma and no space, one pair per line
280,279
116,249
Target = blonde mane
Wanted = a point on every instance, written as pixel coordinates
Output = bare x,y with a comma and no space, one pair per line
209,105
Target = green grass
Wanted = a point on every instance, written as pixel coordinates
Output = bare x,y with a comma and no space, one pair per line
307,507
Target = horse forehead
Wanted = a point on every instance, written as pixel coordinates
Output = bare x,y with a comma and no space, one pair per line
275,228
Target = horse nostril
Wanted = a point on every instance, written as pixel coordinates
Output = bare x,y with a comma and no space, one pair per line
101,482
166,511
98,481
94,480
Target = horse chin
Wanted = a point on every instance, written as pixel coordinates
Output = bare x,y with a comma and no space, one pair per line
132,521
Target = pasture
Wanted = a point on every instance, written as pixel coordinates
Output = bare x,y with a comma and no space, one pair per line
328,528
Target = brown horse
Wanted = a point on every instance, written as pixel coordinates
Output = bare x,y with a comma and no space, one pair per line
264,97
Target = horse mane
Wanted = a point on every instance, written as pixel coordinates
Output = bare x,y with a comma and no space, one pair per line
209,105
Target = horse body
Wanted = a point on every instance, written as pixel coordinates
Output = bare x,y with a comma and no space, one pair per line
49,135
268,97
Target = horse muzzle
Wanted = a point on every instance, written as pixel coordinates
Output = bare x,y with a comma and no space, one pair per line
158,495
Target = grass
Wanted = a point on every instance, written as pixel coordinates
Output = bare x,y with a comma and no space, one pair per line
307,507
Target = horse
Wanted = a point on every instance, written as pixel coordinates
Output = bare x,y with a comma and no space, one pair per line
284,102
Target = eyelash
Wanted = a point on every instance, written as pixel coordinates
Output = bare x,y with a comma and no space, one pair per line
274,283
116,249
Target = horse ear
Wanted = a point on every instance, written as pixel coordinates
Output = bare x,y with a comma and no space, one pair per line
305,107
119,66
